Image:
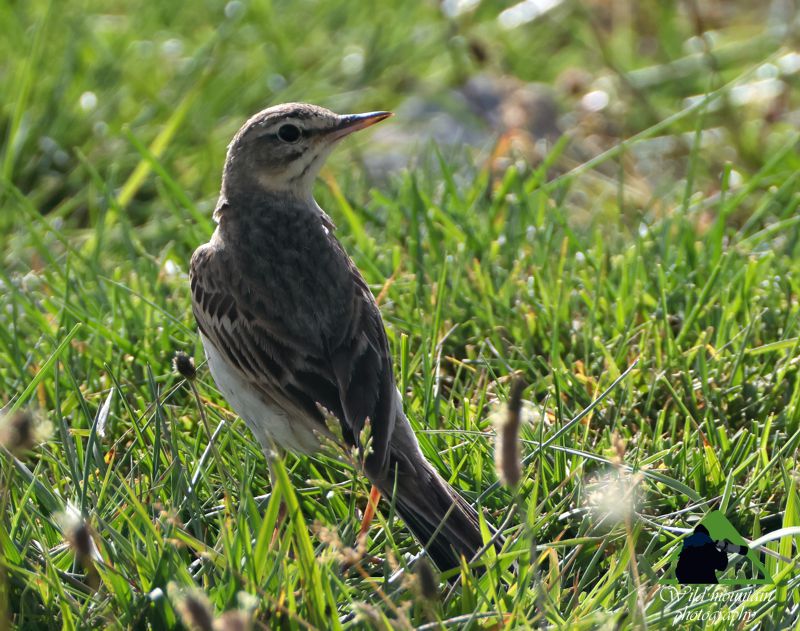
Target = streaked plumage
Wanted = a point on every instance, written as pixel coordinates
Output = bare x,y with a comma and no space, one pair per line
289,324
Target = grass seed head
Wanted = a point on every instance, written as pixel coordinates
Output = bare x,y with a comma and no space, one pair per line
327,535
18,431
183,364
81,541
619,444
369,615
77,534
344,555
427,581
613,497
192,606
233,620
507,448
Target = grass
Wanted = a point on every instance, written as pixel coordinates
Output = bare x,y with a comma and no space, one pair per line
669,240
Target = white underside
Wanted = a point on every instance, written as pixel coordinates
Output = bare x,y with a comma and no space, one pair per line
271,425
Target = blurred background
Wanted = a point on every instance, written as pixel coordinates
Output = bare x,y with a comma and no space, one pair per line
93,88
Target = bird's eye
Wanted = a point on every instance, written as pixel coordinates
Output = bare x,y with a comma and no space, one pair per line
289,133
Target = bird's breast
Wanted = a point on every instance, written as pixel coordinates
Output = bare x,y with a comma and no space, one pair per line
295,274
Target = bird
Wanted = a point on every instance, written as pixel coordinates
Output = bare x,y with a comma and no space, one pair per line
292,332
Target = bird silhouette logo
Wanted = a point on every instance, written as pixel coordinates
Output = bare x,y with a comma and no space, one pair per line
711,548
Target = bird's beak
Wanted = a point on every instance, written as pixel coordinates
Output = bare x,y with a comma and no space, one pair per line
348,123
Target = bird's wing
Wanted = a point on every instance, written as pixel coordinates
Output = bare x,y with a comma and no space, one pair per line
268,356
348,370
362,368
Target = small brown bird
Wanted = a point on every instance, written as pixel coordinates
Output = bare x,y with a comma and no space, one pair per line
289,324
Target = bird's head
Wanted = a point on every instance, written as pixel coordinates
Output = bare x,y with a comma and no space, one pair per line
281,149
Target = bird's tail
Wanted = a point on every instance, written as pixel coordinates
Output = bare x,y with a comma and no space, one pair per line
442,521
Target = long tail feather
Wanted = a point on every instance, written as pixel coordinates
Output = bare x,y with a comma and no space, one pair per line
444,523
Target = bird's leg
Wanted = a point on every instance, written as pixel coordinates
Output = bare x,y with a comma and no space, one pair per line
369,512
